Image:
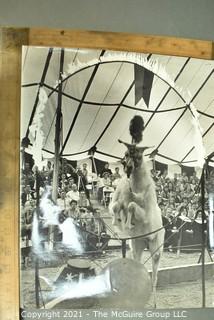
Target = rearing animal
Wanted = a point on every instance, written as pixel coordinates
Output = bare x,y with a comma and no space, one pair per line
135,210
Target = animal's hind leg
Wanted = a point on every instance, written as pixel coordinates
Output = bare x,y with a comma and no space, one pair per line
115,210
136,212
137,248
156,249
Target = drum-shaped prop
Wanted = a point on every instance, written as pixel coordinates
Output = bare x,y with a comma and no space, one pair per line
127,285
130,285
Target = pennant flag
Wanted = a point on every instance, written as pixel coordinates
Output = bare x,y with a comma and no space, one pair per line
143,84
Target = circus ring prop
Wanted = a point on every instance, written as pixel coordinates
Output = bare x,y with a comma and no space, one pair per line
184,121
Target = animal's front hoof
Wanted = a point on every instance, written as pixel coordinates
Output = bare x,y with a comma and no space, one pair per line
114,222
130,226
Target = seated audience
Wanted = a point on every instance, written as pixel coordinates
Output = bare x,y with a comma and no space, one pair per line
104,182
27,194
71,181
116,174
179,198
87,221
63,202
85,172
106,170
73,194
73,210
28,175
96,237
63,182
26,220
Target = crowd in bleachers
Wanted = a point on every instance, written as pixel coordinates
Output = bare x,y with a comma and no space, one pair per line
179,195
73,200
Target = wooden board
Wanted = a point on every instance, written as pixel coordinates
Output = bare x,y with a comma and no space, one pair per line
10,79
122,41
11,41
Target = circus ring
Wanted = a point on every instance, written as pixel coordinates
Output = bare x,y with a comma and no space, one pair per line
179,278
178,287
167,276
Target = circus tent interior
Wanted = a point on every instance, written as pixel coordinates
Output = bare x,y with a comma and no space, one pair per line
100,91
77,104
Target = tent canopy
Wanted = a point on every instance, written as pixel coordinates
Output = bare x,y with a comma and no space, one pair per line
102,91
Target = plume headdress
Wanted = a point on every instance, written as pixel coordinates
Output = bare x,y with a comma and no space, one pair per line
136,127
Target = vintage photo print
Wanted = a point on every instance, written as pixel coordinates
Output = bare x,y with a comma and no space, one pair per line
116,181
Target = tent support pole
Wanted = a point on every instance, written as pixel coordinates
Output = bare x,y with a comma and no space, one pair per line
94,164
57,145
95,168
37,281
50,52
203,237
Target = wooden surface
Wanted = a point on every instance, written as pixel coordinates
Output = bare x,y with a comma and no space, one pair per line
10,79
11,41
122,41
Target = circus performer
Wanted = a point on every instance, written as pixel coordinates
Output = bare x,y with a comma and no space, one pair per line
134,204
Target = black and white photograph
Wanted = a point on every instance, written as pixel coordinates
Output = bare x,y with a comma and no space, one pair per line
116,180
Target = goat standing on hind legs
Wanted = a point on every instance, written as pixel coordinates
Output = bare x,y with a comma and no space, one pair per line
134,204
